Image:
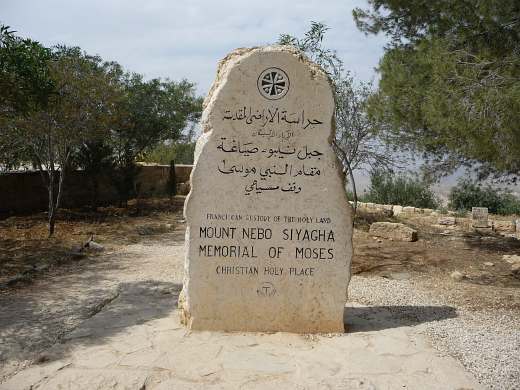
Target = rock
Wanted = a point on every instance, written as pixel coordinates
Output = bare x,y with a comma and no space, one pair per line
489,264
397,210
512,259
408,210
94,246
183,188
246,267
387,207
446,221
515,270
390,230
504,226
458,276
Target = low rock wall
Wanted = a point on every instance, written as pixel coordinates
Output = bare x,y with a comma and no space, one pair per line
504,226
25,192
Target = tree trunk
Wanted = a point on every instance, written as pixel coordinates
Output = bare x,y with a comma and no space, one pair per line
60,188
354,191
51,212
55,204
345,161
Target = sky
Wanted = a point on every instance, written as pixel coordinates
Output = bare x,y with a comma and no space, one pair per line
185,39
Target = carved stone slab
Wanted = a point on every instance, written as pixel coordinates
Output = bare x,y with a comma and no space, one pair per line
269,239
479,216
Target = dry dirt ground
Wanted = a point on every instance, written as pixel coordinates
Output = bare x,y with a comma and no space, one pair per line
53,299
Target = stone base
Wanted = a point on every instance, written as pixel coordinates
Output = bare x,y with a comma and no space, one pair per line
299,327
303,320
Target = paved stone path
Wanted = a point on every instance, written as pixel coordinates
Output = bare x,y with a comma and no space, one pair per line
115,326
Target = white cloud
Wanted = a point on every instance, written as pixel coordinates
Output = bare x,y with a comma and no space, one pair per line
185,39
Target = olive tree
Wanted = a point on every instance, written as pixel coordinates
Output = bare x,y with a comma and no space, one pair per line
358,139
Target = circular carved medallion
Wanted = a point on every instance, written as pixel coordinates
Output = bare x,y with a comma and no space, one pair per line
273,83
266,289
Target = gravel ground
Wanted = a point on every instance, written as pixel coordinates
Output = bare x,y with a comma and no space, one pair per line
487,343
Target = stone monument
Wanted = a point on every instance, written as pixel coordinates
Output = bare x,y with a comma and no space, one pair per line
269,237
479,217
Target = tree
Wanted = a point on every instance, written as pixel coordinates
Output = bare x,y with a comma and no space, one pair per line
61,108
96,159
78,110
450,81
150,112
25,85
171,185
24,75
312,45
180,151
403,189
467,194
358,138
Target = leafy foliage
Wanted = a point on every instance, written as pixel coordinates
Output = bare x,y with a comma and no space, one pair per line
149,113
79,109
60,107
312,45
96,160
181,152
450,81
467,194
25,81
153,111
357,139
387,188
25,84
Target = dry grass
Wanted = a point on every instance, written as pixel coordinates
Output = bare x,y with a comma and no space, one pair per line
25,247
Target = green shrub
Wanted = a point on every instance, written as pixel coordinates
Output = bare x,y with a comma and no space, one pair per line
361,197
403,190
181,152
467,194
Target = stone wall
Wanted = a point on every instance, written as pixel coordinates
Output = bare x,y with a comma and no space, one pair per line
25,192
504,225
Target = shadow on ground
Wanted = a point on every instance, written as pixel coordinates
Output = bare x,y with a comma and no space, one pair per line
100,313
135,303
374,318
493,243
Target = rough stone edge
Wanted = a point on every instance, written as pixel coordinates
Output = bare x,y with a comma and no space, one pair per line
223,69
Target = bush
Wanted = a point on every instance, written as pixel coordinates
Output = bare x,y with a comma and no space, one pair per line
182,153
388,188
467,194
